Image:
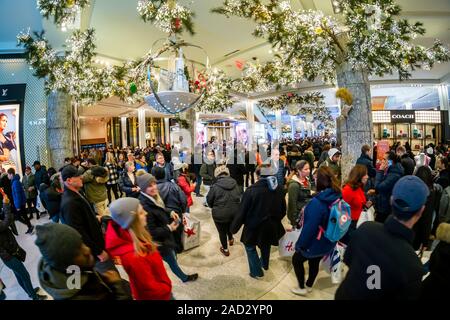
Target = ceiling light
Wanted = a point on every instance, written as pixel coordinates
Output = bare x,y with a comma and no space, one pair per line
270,51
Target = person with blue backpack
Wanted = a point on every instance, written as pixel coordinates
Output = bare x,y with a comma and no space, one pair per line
326,220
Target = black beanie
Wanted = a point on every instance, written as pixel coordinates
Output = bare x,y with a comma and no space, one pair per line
59,244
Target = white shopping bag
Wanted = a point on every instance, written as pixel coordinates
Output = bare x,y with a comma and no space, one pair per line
286,245
191,233
332,263
366,215
39,205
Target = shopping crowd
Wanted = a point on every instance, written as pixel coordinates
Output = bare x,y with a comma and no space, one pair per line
127,207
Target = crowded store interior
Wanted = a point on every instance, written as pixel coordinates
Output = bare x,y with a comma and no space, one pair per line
222,149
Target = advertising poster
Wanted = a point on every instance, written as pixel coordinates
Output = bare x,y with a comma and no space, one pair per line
242,133
201,134
382,148
9,139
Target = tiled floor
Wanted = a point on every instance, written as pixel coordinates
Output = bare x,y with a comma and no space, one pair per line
219,277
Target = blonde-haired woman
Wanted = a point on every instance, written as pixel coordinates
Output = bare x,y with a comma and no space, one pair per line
128,239
113,180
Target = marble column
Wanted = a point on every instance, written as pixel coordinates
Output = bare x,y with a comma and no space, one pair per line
278,123
59,128
166,130
123,121
250,105
142,127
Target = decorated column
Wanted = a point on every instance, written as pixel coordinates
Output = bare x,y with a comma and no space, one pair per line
355,129
59,128
142,127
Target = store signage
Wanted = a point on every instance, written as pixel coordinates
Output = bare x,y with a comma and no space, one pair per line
403,116
12,92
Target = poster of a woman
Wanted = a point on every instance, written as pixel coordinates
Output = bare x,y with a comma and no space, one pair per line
8,138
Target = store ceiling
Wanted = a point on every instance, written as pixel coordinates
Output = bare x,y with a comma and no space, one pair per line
121,35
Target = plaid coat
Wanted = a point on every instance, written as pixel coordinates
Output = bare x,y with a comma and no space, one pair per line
113,174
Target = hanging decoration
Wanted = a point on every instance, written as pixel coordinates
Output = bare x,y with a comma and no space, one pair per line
64,12
167,15
345,95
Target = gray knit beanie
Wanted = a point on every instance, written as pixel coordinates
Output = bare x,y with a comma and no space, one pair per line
124,211
59,244
145,180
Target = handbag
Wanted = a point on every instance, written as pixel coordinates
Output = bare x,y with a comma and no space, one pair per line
20,254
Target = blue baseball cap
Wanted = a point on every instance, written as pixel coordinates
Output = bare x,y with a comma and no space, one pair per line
409,195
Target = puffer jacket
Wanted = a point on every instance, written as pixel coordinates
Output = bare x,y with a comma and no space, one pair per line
183,182
94,185
298,197
207,173
224,198
148,277
8,243
316,215
384,183
20,199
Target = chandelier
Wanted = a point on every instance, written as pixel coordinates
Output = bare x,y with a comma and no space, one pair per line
173,93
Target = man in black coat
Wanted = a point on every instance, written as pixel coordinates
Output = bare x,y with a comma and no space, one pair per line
237,169
382,262
406,161
40,175
77,212
262,208
367,161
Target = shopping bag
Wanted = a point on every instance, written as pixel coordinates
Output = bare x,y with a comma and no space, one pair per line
332,263
39,206
286,245
191,233
366,215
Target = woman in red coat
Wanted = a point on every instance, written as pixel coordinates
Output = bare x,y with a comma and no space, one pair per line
186,185
127,239
353,194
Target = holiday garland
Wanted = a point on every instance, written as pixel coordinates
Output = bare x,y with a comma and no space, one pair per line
62,11
308,104
166,15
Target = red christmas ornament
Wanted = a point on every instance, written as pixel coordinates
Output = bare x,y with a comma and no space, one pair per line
177,23
290,94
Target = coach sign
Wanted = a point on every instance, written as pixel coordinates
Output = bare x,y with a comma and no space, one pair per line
403,116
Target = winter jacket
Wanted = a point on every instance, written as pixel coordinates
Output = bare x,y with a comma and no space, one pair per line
356,199
308,155
408,165
8,242
444,206
384,183
168,168
77,212
43,196
262,208
41,176
147,274
20,199
224,198
316,215
172,195
125,184
334,166
207,173
298,197
281,173
141,165
95,186
365,160
437,285
113,173
28,182
422,228
92,286
388,247
237,172
158,219
184,184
